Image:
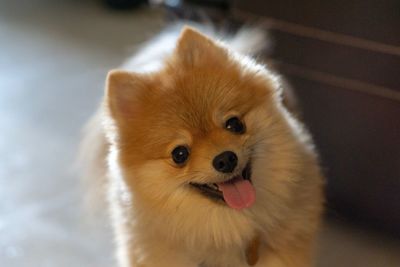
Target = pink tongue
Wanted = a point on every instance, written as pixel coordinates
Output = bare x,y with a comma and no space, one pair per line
238,193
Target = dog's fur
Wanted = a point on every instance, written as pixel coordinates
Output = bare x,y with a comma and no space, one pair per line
184,97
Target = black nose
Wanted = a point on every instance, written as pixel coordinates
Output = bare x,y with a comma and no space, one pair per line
225,162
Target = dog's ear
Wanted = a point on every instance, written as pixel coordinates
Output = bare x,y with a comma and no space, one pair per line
194,48
123,90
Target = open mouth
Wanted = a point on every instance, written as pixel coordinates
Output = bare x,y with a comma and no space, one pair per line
237,192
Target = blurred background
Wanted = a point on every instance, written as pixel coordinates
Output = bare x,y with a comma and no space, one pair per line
342,58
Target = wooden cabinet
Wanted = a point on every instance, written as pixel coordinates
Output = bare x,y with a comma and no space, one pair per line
343,60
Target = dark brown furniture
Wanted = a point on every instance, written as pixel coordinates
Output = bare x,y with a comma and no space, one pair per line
343,60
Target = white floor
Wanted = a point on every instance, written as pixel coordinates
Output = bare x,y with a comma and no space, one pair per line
54,55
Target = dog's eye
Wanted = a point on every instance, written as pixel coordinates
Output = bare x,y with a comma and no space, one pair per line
234,125
180,154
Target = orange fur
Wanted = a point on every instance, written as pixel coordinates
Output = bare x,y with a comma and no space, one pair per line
158,219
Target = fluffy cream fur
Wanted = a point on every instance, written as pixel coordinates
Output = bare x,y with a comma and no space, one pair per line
183,96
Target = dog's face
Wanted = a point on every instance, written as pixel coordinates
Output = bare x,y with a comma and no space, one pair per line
194,130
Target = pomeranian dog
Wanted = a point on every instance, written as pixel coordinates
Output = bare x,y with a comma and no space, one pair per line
205,165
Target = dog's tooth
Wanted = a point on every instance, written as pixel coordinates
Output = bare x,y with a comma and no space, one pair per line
214,186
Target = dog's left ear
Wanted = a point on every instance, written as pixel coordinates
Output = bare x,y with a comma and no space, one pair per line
194,48
123,92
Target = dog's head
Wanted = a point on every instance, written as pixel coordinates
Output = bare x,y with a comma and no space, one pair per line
195,130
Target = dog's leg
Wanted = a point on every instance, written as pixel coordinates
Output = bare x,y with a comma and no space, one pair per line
292,257
155,255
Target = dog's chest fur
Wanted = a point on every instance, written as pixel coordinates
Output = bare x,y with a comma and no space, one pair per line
228,258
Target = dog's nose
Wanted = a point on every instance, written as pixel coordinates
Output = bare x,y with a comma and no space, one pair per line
225,162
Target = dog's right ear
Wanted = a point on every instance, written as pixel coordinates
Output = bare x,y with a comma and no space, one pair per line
123,90
194,48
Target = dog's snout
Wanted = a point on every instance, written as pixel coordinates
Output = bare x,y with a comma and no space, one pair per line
225,162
